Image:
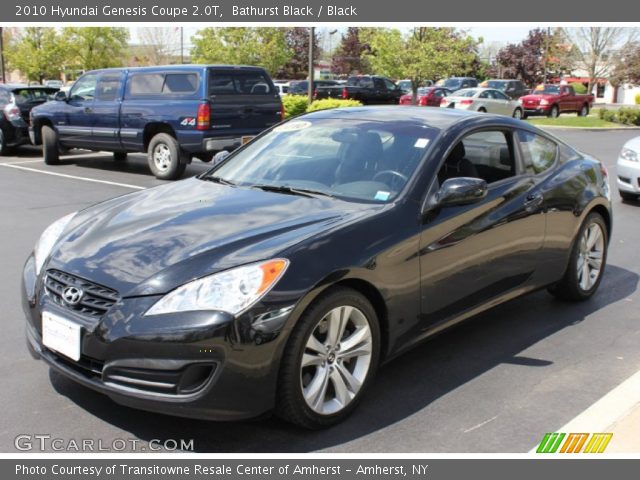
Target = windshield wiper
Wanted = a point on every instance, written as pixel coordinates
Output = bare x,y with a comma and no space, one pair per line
304,192
216,179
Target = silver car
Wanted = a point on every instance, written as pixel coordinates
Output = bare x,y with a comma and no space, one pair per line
628,167
487,100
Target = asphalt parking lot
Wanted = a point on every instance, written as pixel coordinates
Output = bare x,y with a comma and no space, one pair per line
496,383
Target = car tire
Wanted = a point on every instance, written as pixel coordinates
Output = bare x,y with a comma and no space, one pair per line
320,383
628,197
4,149
482,110
554,112
586,263
50,147
163,156
120,156
517,113
584,111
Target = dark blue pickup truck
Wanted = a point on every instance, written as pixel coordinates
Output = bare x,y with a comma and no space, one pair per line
174,113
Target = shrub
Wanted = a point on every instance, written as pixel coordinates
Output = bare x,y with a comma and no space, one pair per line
579,88
327,103
607,115
626,116
637,98
294,105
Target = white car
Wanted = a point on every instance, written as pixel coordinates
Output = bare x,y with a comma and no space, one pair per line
628,167
486,100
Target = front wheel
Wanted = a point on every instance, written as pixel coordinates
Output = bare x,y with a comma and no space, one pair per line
554,112
587,261
163,157
482,110
584,111
50,147
330,359
517,113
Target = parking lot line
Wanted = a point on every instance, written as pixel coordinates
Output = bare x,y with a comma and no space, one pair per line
38,160
74,177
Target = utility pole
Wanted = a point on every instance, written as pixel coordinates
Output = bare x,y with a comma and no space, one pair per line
311,39
4,76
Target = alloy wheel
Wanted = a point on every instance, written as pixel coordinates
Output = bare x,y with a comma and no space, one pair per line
589,264
162,157
336,360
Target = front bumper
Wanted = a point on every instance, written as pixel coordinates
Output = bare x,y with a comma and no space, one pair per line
539,110
628,176
207,365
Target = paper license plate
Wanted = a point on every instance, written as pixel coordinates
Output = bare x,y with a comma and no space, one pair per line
246,139
61,335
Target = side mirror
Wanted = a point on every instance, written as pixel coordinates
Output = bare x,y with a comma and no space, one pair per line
60,96
220,156
461,191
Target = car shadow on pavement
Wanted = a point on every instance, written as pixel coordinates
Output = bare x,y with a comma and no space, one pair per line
402,388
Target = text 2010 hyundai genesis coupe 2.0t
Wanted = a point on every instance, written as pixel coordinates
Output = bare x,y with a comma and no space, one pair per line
283,277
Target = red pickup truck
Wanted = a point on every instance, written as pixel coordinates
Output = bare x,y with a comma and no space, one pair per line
552,100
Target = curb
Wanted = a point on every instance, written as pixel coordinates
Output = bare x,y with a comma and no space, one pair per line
604,129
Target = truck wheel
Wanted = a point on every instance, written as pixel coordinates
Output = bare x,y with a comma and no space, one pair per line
120,156
554,112
50,147
584,111
164,157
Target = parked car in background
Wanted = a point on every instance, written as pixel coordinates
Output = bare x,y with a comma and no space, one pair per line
16,102
457,83
407,86
282,88
552,100
485,100
54,83
301,87
282,278
512,88
368,89
427,96
173,113
628,169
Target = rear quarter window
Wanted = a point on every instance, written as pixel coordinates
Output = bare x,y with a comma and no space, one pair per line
145,84
539,153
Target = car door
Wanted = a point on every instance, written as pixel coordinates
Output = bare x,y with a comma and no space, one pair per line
106,110
393,92
472,254
380,94
75,126
485,100
503,103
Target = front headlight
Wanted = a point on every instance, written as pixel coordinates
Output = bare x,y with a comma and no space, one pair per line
48,239
520,101
230,291
628,154
544,102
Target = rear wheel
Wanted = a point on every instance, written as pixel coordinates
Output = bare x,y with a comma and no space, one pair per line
330,359
584,111
587,261
163,156
554,112
482,110
517,113
120,156
630,197
50,146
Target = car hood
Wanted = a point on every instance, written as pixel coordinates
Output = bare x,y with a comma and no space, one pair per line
536,98
150,242
633,144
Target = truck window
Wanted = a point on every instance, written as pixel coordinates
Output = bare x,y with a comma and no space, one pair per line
108,87
180,83
84,89
364,82
145,84
389,84
239,83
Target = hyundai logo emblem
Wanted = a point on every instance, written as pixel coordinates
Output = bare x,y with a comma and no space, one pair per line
72,295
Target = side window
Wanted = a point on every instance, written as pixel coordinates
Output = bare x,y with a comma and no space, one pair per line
378,84
84,89
538,152
485,94
145,84
487,154
500,95
389,84
180,83
108,87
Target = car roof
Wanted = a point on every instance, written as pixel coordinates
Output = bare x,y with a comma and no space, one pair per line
13,86
181,67
434,117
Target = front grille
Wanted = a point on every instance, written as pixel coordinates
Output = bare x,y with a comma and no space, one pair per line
624,179
96,299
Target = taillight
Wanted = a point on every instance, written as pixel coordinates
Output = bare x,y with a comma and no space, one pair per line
466,101
281,111
345,94
11,112
203,122
315,93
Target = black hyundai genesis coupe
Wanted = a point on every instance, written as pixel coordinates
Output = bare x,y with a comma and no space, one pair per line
283,277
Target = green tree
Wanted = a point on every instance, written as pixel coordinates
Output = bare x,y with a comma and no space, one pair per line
90,48
263,46
37,52
424,53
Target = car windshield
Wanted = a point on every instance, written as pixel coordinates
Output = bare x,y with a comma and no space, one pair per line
452,83
424,90
547,89
467,92
497,85
405,84
355,160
